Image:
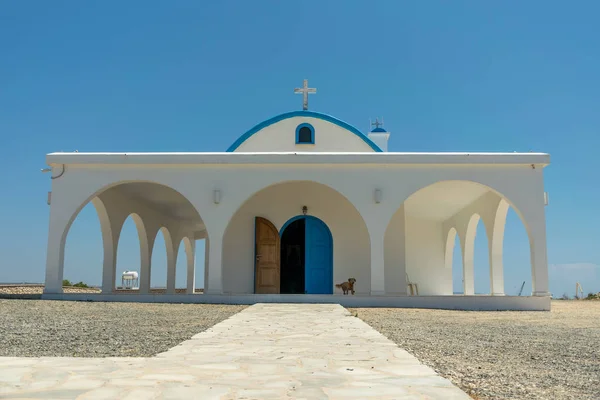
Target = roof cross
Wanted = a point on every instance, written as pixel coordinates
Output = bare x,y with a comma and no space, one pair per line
377,124
305,90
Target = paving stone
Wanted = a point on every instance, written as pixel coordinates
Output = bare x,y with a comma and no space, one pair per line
141,394
267,351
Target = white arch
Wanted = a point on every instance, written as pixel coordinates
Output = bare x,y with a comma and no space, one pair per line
323,201
262,188
111,185
494,228
493,220
111,230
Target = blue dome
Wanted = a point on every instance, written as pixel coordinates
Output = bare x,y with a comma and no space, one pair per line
379,130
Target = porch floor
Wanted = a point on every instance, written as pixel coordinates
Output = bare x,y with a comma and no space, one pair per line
454,302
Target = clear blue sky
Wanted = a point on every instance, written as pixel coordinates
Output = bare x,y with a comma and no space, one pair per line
194,75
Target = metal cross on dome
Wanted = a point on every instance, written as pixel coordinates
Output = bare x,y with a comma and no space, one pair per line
377,124
305,90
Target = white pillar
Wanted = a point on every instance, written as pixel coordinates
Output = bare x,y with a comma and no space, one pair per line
55,253
171,268
395,255
539,257
496,269
145,270
468,252
109,266
214,285
377,264
468,272
191,267
495,223
110,228
206,258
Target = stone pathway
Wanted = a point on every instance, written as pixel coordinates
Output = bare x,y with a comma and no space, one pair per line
267,351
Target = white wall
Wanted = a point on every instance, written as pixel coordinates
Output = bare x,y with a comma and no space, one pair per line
279,203
425,257
521,184
281,136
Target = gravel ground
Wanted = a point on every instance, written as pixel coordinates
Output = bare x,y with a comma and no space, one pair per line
39,289
16,290
504,355
31,328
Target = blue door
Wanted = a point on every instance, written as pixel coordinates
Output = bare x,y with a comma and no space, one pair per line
318,257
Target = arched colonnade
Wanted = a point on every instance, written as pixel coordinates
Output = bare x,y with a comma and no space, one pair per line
408,242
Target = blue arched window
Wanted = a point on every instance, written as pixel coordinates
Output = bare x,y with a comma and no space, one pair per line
305,134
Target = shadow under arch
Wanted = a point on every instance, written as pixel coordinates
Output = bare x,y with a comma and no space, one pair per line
280,201
440,201
112,218
469,182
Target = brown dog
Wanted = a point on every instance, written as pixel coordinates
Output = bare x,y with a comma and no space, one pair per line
347,286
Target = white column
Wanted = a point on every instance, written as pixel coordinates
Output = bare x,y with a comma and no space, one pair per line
109,266
539,257
110,227
145,268
395,255
377,264
206,258
495,226
55,254
112,215
191,267
171,269
496,271
145,274
468,252
468,272
214,285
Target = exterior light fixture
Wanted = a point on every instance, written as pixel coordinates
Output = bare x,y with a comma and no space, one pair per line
377,196
304,210
216,196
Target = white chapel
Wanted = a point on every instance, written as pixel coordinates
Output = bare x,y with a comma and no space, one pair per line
299,203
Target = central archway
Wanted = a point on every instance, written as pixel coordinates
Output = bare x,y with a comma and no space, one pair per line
306,256
277,203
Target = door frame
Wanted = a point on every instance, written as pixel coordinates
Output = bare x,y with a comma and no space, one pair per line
296,218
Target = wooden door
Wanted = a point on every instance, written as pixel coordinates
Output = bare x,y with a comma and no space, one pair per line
267,254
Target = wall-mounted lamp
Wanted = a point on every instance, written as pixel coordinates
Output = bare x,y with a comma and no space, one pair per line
216,196
304,210
546,199
377,196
